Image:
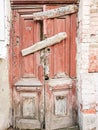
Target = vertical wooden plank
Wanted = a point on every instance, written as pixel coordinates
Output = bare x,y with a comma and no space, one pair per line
50,32
50,27
15,48
61,48
73,46
21,44
34,39
37,38
59,25
56,48
67,44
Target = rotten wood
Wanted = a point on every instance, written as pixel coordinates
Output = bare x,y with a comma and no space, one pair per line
54,13
45,43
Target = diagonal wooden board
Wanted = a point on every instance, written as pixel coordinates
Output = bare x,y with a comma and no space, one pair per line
53,13
45,43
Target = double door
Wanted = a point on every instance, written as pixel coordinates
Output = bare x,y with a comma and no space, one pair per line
43,83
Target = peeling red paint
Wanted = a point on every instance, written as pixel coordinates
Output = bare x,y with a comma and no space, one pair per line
56,62
89,111
93,59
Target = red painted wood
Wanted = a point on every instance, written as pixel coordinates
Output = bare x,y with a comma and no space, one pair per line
73,47
67,44
24,33
50,32
60,58
58,49
63,55
15,48
41,73
36,33
27,63
61,46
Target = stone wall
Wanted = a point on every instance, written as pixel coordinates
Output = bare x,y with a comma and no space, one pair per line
5,98
87,64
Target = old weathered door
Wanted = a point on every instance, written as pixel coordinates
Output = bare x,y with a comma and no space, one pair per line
60,61
43,82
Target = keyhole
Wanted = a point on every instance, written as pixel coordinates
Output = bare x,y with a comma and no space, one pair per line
48,49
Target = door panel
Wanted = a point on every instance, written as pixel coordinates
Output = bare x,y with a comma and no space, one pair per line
30,34
28,118
43,82
61,64
63,55
27,74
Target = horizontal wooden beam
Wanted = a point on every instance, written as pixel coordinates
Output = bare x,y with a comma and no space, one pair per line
53,13
18,2
45,43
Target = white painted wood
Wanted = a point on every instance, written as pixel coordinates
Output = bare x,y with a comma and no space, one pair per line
45,43
28,82
28,107
2,21
53,13
28,124
60,105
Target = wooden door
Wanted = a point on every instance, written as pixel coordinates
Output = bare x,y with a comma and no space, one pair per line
60,61
43,83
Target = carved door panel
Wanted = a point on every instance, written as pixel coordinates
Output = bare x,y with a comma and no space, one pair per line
43,82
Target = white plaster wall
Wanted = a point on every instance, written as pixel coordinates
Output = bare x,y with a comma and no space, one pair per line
5,98
87,83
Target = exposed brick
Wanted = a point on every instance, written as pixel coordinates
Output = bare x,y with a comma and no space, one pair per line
94,11
93,58
89,111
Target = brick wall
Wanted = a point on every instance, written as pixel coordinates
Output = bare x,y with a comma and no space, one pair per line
87,64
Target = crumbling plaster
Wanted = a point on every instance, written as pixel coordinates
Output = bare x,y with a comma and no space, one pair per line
5,98
87,76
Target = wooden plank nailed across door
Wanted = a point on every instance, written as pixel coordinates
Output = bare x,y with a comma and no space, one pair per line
45,43
54,13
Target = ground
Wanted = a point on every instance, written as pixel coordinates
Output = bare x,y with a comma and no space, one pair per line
69,128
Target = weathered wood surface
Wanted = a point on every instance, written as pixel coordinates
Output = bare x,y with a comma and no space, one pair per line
53,13
14,2
45,43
